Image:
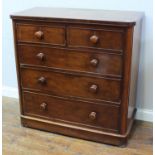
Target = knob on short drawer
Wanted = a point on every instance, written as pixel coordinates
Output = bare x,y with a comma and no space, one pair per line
93,88
39,35
92,115
94,62
94,39
41,56
42,80
43,106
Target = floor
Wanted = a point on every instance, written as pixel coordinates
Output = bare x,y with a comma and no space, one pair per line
18,140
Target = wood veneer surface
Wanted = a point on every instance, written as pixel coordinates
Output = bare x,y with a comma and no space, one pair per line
18,140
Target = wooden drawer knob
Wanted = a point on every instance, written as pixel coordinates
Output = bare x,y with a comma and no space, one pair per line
42,80
43,106
94,39
41,56
39,35
92,115
93,88
94,62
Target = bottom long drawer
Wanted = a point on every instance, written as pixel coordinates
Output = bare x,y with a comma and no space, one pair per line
71,111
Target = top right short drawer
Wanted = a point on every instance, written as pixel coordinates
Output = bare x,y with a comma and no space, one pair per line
108,39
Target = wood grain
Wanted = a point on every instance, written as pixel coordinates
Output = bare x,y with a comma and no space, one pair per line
18,140
74,112
107,39
60,84
101,66
74,60
54,34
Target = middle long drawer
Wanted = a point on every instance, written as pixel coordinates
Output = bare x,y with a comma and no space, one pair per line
75,60
71,84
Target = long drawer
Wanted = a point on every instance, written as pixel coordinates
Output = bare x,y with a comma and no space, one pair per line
69,84
47,107
84,61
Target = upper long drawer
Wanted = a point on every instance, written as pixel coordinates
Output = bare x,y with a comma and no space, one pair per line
47,34
83,37
73,60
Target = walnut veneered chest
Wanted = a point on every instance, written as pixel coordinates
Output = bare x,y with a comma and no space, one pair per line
77,71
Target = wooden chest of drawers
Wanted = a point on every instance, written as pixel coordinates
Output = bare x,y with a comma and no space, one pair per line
77,71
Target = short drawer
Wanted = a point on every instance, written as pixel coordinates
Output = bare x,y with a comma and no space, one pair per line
69,84
83,61
95,38
58,109
47,34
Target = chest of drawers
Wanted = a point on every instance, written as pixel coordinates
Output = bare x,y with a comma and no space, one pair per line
77,71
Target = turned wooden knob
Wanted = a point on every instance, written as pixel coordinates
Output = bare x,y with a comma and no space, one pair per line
94,62
41,56
42,80
92,115
93,88
39,35
43,106
94,39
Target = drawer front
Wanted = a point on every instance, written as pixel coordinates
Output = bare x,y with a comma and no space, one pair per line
54,35
95,38
67,84
105,64
44,106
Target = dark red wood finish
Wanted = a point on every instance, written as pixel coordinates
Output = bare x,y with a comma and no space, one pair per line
95,38
77,76
101,63
53,34
75,112
67,84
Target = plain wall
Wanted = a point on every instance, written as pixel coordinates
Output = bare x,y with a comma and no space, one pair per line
145,78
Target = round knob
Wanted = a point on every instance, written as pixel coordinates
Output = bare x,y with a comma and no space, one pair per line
92,115
94,39
94,62
43,106
41,56
42,80
93,88
39,35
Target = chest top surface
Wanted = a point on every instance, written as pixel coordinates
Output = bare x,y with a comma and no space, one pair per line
128,17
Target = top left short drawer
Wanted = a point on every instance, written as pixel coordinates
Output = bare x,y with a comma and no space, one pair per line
46,34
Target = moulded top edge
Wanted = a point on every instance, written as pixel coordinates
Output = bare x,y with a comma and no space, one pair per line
128,17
